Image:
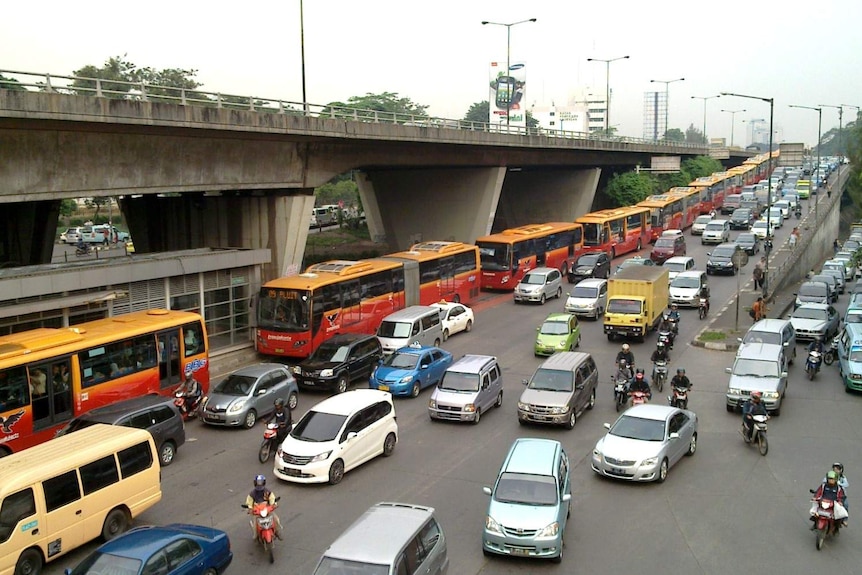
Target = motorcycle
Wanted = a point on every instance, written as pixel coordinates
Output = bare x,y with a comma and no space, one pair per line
621,386
812,365
263,524
83,250
703,308
798,214
639,398
767,246
758,434
659,373
270,442
182,402
831,354
666,337
679,398
825,524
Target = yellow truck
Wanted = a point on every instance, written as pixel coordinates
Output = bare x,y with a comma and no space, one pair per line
637,297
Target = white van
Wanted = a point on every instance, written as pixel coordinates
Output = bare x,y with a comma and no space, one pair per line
414,324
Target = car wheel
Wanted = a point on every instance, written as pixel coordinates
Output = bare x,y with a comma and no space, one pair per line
599,313
116,522
341,386
166,453
499,401
414,391
639,246
336,472
573,419
29,563
578,341
210,571
445,334
469,327
250,419
692,445
729,408
662,471
478,416
559,293
592,402
292,401
542,302
389,445
437,342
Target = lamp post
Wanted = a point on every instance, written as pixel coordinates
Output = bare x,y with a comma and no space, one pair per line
733,114
817,166
508,55
705,98
769,171
607,88
666,101
302,53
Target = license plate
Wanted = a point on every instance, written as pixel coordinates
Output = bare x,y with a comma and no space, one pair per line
383,387
213,418
616,471
519,551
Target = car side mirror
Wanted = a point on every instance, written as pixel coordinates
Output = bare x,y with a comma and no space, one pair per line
486,490
673,435
784,374
728,370
351,435
607,425
538,328
567,497
261,391
524,381
423,366
739,339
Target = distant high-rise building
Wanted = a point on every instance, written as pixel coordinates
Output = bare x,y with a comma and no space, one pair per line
655,115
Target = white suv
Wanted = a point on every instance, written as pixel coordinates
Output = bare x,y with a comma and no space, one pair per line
716,232
336,435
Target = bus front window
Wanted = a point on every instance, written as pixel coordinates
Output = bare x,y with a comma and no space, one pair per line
494,257
591,234
284,310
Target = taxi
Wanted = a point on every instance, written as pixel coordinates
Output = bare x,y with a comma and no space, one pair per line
850,356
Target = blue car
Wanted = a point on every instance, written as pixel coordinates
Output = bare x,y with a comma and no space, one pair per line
410,370
173,549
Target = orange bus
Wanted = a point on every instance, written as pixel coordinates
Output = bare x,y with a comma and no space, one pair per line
666,211
50,375
713,189
616,231
691,204
295,314
508,255
447,270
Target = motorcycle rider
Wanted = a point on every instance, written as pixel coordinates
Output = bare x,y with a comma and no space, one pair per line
283,418
750,408
831,491
624,371
681,380
190,391
667,326
838,468
626,354
659,354
674,317
640,383
82,246
259,494
816,345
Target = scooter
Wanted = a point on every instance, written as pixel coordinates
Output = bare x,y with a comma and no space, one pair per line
758,434
659,373
812,365
678,398
270,442
621,385
639,398
666,337
831,354
83,250
263,524
182,402
825,524
703,308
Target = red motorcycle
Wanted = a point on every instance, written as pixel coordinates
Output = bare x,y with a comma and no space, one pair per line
639,397
825,524
270,442
188,409
263,524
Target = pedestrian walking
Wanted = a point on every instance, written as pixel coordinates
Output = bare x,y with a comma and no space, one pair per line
757,273
758,309
836,246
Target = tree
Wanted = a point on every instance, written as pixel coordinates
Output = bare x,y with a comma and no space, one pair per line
118,77
68,207
96,203
853,142
674,135
10,84
387,105
116,70
694,136
629,188
700,166
478,112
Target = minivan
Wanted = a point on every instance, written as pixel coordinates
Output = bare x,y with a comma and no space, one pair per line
560,390
850,356
530,502
716,232
731,202
775,332
155,413
538,285
469,388
413,324
589,297
687,288
389,539
813,292
758,367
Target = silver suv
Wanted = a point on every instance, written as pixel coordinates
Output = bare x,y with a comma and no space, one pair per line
539,284
469,388
561,389
774,332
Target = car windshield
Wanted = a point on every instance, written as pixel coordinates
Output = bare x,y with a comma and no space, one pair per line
107,563
702,219
632,427
685,282
551,380
333,566
235,385
534,279
759,224
554,328
675,266
526,488
723,252
337,353
457,381
317,426
713,227
618,305
402,360
755,368
745,239
665,242
769,337
850,317
810,313
585,292
395,329
494,257
813,290
589,260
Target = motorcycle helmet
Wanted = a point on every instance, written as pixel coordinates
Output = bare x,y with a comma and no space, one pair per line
673,306
681,371
660,345
259,481
639,375
755,395
279,402
623,364
625,347
838,467
832,476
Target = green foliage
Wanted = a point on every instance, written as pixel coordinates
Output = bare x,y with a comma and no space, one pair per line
531,121
700,166
68,207
478,112
337,190
116,69
388,104
630,188
674,135
10,84
694,136
122,74
854,154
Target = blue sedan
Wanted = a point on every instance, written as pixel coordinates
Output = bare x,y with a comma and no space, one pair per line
410,370
173,549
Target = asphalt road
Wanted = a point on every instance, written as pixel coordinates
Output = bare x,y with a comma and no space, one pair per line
727,509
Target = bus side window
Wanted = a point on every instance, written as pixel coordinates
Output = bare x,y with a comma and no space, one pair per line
14,391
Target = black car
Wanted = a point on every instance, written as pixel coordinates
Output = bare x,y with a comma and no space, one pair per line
594,265
339,361
741,219
749,242
721,259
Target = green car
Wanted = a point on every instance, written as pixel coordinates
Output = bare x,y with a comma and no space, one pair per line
559,332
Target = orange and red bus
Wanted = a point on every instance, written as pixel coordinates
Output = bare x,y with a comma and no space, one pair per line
447,271
692,206
616,231
713,190
50,375
666,211
508,255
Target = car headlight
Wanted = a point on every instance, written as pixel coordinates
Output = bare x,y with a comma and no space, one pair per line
469,408
560,410
549,530
432,404
539,342
321,456
597,454
492,525
406,379
649,461
523,406
236,407
733,391
325,373
561,344
297,370
770,394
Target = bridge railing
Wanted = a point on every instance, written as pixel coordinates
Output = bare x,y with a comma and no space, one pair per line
139,91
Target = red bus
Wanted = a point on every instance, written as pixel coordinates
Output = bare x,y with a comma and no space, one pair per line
691,204
713,189
507,256
665,213
616,231
50,375
447,271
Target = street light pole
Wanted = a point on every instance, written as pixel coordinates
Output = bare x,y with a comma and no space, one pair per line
666,101
817,167
510,88
302,52
769,171
607,88
705,98
733,114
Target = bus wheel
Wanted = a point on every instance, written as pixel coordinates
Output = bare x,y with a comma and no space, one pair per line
29,563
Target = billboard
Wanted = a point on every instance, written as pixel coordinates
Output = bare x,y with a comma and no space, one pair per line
507,94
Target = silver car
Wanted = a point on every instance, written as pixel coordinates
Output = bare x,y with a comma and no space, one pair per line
589,297
644,442
248,393
539,284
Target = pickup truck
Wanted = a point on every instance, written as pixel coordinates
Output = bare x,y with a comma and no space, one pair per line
637,297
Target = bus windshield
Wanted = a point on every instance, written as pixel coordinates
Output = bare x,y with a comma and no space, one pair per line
285,309
494,256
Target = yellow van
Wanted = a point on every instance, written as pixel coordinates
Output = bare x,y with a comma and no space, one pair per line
59,495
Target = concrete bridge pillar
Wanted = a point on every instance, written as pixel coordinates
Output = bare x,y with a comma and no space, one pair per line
28,231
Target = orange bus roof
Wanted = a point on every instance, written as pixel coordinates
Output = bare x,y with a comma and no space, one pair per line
329,272
612,214
528,231
425,251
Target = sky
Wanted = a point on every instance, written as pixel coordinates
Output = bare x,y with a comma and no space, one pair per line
438,53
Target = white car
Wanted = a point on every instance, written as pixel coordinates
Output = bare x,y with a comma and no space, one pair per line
337,435
776,217
589,298
455,317
759,228
687,288
784,206
700,224
716,232
678,264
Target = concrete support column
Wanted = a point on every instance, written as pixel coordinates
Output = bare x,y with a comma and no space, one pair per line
28,231
530,197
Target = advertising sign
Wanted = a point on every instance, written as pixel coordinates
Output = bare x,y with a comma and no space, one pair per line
507,94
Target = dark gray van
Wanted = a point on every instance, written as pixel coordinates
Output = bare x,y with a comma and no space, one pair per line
155,413
561,389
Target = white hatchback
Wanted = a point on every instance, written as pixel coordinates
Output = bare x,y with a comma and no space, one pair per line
337,435
455,317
